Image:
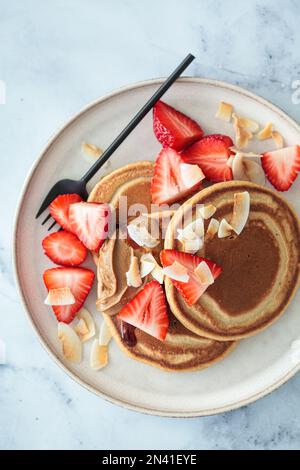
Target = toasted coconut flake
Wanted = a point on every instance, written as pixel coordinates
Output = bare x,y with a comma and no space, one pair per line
84,316
158,274
241,209
245,154
212,228
60,296
204,274
148,263
140,235
70,342
249,124
192,246
247,170
190,174
192,230
133,275
229,161
278,139
266,132
81,328
105,334
242,135
225,229
224,112
91,151
207,212
177,271
99,355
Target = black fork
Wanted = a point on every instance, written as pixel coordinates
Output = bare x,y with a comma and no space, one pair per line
68,186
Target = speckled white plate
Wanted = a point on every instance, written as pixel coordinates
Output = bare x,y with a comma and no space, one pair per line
258,365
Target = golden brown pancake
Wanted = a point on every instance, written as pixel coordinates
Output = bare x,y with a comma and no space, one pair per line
182,349
260,266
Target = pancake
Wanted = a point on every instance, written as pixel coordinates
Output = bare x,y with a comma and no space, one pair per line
182,349
260,266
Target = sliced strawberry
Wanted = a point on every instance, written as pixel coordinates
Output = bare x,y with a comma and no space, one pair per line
167,183
193,289
211,154
282,166
79,281
148,311
64,248
89,221
173,128
59,209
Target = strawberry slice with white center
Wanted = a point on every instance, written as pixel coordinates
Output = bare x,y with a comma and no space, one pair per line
79,281
64,248
59,209
169,181
148,311
192,290
89,221
282,166
211,153
173,128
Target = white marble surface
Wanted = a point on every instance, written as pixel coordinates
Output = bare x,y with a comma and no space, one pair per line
57,56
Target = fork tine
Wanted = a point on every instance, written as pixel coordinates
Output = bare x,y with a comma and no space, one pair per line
46,220
51,226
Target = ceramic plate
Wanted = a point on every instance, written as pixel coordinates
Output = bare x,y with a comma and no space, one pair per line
258,365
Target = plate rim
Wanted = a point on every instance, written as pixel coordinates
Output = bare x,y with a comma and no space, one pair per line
51,141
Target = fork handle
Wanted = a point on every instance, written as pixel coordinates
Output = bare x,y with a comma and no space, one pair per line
137,118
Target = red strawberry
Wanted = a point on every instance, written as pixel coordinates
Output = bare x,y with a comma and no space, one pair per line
193,289
282,166
211,154
89,221
59,209
79,281
173,128
167,184
64,248
148,311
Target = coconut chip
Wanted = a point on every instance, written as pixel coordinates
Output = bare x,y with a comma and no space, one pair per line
247,170
192,246
266,132
212,228
91,151
242,135
249,124
150,265
207,211
70,342
225,229
104,335
133,275
224,112
141,236
99,355
177,271
241,209
60,296
244,154
190,174
278,139
204,274
85,327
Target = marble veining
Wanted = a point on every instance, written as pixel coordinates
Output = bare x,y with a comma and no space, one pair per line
56,57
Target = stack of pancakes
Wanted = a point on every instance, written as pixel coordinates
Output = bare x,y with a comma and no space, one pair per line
259,278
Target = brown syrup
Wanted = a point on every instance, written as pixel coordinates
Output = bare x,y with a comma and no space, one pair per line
128,334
